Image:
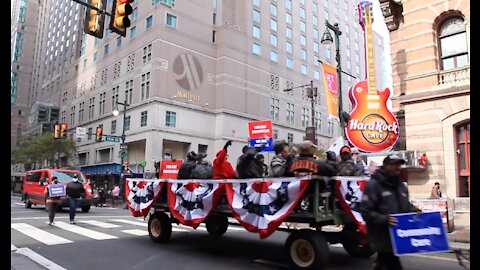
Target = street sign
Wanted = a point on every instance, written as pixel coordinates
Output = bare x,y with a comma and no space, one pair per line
111,139
81,132
260,129
143,163
418,233
123,154
123,147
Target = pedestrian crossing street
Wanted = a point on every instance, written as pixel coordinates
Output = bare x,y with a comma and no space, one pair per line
88,229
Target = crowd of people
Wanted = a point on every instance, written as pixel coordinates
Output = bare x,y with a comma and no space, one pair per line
287,162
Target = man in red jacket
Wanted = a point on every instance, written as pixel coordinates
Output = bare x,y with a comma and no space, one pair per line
222,169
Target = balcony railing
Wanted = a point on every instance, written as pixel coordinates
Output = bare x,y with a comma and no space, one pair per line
454,76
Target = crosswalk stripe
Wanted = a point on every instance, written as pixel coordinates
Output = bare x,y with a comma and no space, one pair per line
39,235
100,224
136,232
126,221
83,231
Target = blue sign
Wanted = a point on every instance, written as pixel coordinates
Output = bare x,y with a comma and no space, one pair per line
258,142
57,190
418,233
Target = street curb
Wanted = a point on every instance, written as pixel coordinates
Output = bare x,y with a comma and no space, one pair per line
459,240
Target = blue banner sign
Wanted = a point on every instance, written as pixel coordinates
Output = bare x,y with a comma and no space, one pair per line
418,234
258,142
57,190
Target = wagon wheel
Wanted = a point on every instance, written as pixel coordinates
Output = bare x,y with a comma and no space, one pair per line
307,249
216,225
159,227
355,243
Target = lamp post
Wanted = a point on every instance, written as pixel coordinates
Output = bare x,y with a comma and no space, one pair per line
327,40
312,94
116,113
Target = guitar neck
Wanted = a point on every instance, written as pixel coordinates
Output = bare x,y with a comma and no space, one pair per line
372,86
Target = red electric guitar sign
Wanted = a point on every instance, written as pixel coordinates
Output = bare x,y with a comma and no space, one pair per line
372,126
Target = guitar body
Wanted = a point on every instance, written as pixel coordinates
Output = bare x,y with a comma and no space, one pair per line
372,126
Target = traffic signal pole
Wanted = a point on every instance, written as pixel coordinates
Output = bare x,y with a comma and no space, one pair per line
93,7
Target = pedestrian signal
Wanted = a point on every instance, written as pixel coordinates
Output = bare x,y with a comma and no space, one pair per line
56,131
119,23
63,130
94,21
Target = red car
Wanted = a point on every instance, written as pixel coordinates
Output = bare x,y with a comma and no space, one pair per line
35,182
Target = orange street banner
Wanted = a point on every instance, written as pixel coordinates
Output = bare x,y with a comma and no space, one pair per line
330,80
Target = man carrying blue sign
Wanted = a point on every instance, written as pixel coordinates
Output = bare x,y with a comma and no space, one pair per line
385,195
54,191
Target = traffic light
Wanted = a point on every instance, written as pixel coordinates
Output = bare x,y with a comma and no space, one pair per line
99,134
94,21
56,131
63,130
120,21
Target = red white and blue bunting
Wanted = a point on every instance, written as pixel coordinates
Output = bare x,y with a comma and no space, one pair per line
262,206
259,205
140,195
190,203
349,193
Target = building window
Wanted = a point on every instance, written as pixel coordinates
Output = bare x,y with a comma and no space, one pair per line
101,103
303,54
119,41
303,40
290,116
95,56
256,16
89,133
288,18
171,20
134,14
274,56
273,40
273,25
113,127
143,118
274,108
105,49
289,63
85,63
149,21
462,140
453,43
315,20
115,97
304,69
288,32
302,13
133,32
305,117
147,53
316,75
127,123
275,134
170,119
129,91
314,7
145,85
318,121
290,137
273,9
256,31
303,27
289,47
315,33
328,55
330,127
288,4
256,48
256,2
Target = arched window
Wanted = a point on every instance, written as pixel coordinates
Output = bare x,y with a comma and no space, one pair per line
453,43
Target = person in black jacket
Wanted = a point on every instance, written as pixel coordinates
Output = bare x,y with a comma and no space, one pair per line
247,165
385,194
75,191
187,167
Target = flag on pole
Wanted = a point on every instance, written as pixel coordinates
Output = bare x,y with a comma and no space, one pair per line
330,81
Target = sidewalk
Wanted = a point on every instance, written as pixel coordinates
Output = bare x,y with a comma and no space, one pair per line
460,235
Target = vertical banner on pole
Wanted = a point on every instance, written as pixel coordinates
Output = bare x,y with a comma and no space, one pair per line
330,81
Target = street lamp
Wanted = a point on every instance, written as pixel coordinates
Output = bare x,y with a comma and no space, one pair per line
312,94
327,40
116,112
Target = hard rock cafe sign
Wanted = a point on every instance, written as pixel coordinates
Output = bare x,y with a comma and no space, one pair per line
372,126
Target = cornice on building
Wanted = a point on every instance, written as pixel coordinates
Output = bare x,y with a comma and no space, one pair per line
392,11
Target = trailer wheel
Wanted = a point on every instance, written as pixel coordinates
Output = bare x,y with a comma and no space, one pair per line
355,243
216,225
307,249
159,227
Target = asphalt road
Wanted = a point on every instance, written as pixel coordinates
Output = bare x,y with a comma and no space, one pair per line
111,238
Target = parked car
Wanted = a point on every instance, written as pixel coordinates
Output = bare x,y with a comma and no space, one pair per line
35,182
